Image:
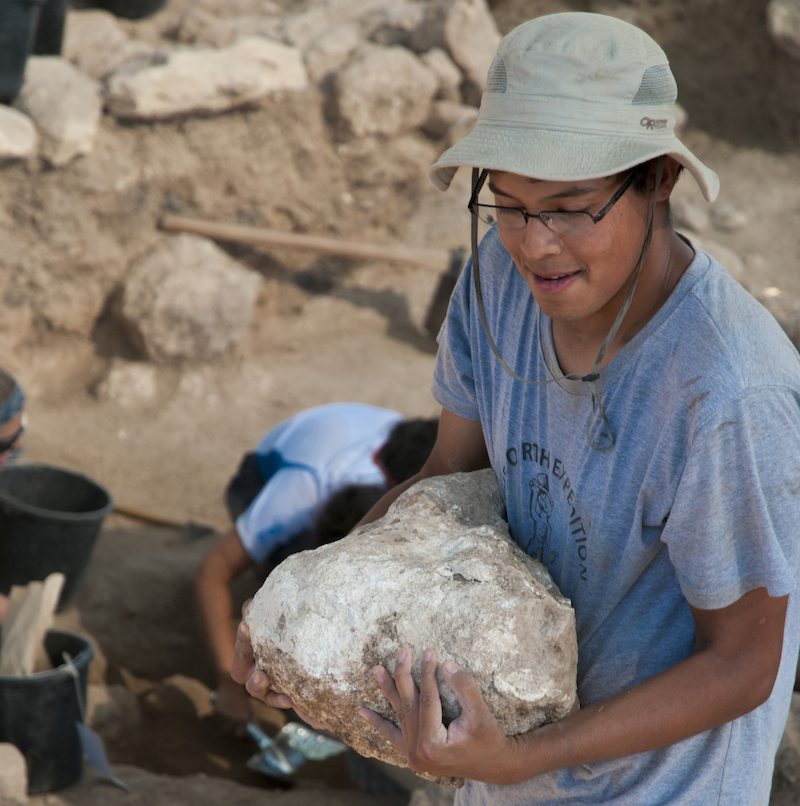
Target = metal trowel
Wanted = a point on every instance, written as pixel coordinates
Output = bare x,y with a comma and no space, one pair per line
292,746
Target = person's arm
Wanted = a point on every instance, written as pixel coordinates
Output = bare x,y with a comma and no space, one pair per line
459,448
214,608
731,672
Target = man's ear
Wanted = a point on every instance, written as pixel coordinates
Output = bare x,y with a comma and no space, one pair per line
669,176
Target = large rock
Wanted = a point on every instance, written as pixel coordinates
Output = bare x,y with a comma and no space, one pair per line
18,137
64,104
188,300
13,776
186,81
439,570
384,90
467,31
95,42
783,21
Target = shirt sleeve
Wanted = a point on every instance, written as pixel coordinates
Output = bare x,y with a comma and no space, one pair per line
454,376
733,525
286,505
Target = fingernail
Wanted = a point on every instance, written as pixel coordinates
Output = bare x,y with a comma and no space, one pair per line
428,654
401,656
259,679
450,667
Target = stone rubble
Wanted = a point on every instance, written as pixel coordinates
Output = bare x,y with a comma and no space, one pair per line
205,81
64,104
324,618
13,776
783,23
18,136
187,300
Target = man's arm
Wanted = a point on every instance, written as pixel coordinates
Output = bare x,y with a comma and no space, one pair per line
459,448
731,672
214,607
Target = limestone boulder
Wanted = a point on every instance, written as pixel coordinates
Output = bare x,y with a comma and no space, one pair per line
18,136
384,91
187,300
64,104
96,44
783,22
439,570
187,81
467,31
13,776
447,73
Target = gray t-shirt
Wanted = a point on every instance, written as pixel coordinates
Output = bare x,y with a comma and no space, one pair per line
698,501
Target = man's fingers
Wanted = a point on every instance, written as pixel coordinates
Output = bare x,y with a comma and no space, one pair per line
390,732
408,715
246,608
473,706
307,718
430,703
243,663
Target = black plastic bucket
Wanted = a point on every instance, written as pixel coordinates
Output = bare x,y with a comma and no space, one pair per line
18,23
50,30
131,9
50,519
38,713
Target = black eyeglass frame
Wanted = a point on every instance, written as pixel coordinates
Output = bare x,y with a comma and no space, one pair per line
7,444
473,206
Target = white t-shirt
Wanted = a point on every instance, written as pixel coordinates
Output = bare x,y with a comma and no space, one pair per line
307,458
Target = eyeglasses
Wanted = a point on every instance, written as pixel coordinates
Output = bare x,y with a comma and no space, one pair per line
7,444
577,224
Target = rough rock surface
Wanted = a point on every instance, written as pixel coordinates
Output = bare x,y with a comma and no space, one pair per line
324,618
783,21
467,31
384,90
65,106
188,81
18,137
188,300
13,776
96,44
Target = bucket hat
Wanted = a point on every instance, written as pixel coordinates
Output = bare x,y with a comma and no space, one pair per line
574,96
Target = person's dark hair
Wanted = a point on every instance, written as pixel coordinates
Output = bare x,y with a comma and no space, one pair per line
408,447
639,184
7,385
344,509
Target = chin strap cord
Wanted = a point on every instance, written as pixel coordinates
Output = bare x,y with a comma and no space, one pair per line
606,438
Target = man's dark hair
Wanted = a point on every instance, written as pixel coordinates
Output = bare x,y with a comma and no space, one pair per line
408,447
344,509
639,184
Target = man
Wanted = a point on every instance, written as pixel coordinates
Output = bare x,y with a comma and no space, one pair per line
600,348
310,479
12,429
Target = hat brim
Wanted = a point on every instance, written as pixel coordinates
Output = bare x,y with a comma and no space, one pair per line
562,155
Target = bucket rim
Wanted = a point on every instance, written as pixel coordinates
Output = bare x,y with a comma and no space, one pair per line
56,514
58,671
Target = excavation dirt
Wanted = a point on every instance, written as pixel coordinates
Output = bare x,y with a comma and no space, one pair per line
167,437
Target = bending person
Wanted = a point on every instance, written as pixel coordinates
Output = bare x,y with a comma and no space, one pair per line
277,496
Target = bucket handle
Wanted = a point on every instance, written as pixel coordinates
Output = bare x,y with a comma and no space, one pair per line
91,742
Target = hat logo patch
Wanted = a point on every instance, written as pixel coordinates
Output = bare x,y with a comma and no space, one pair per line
650,123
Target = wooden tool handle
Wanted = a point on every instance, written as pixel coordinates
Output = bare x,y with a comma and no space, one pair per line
144,515
256,236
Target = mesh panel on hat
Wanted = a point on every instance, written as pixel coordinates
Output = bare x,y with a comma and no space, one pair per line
657,88
496,80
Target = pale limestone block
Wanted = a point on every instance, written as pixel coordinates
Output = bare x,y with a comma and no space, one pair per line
204,81
324,618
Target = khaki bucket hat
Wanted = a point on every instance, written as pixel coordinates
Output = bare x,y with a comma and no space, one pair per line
574,96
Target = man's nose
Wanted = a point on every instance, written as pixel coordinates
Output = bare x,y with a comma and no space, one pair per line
538,240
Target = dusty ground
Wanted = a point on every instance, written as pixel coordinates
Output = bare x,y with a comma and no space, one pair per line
325,330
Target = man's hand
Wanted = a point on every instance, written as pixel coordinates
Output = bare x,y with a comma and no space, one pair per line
472,746
258,685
